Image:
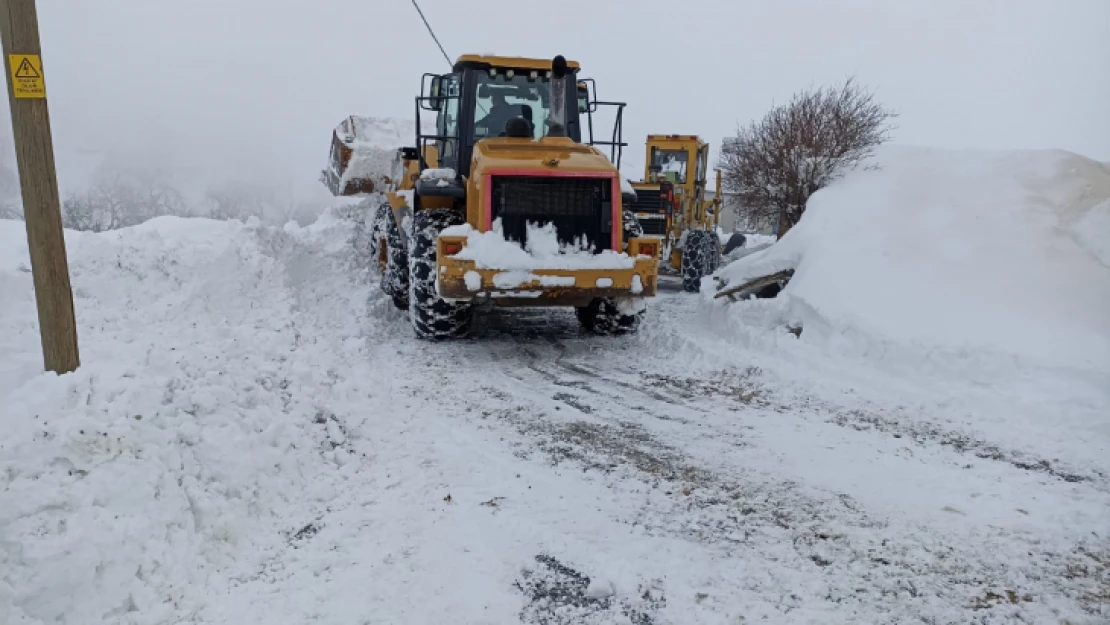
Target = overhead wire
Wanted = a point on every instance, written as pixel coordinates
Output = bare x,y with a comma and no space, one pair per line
432,33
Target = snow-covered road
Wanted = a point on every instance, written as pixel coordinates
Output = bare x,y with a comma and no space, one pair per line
256,437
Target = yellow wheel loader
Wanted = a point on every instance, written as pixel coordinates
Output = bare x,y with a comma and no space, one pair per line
672,204
501,200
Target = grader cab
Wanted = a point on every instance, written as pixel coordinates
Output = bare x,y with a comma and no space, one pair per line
673,204
503,200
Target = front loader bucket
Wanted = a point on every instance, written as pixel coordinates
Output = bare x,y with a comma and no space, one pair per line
365,155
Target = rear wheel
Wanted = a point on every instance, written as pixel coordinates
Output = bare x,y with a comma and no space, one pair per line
713,251
696,259
433,317
606,316
395,278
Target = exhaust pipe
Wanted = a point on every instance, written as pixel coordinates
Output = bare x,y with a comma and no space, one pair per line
558,87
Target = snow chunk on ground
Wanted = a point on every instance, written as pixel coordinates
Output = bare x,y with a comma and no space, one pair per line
630,305
490,250
600,588
965,251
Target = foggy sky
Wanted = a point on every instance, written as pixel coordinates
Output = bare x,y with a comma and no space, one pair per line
226,89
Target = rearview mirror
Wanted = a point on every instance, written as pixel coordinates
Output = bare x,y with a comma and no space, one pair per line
431,92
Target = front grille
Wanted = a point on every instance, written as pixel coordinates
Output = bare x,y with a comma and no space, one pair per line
654,223
649,201
655,204
578,207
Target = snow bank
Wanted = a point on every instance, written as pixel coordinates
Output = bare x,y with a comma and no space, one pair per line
490,250
962,251
142,476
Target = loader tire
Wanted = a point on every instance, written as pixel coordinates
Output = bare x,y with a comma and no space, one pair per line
602,316
433,317
696,259
395,278
378,232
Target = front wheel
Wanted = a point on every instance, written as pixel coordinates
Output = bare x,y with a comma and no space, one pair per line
379,248
433,317
607,316
395,276
697,259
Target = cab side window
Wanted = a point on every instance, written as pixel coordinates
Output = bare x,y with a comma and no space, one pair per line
447,122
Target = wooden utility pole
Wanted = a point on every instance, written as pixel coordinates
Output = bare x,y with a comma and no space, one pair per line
19,29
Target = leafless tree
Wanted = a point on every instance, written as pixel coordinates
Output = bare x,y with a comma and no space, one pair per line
79,213
11,210
775,164
117,202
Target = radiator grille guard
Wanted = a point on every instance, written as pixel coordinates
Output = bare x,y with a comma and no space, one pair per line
652,208
579,208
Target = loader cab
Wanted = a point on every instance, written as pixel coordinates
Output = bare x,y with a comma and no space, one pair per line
486,97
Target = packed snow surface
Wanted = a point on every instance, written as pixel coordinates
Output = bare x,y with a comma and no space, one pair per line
490,250
963,251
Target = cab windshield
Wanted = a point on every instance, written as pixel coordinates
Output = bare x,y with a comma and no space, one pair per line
500,98
672,164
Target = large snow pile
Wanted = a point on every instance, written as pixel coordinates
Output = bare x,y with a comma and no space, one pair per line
960,252
195,416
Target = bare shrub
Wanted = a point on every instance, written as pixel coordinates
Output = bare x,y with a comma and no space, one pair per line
775,164
118,202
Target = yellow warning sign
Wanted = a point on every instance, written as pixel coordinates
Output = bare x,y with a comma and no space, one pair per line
27,79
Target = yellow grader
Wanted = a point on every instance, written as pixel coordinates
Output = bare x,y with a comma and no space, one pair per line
502,200
672,204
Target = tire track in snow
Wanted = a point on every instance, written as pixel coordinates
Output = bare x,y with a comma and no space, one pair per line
838,534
